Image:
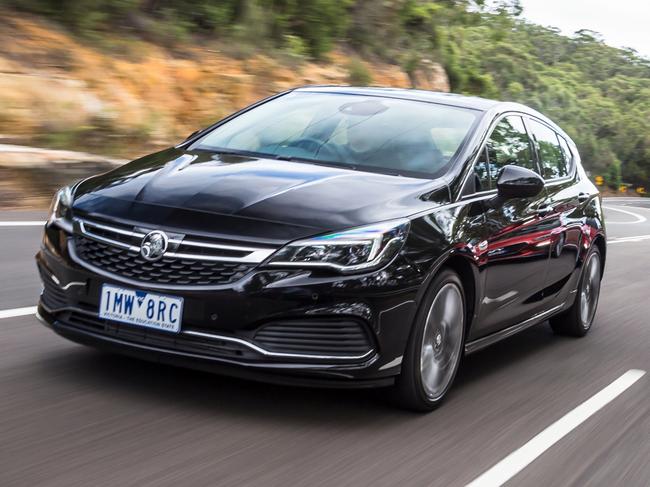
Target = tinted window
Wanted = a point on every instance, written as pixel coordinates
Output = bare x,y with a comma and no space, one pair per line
551,156
349,130
509,144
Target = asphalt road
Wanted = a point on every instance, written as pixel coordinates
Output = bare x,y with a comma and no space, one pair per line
72,416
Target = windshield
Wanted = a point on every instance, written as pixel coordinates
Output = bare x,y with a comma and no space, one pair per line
348,130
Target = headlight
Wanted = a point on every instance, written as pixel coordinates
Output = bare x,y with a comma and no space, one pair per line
60,206
354,250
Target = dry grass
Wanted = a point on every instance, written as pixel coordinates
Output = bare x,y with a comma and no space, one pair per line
58,89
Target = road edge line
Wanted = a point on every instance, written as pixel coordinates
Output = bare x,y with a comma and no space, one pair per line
530,451
639,218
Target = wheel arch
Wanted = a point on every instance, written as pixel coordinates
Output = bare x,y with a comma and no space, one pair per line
469,279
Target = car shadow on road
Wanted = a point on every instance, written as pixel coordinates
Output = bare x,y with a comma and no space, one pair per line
123,378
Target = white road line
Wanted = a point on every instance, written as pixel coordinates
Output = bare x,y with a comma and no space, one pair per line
625,198
633,202
635,238
519,459
642,208
639,218
12,313
32,223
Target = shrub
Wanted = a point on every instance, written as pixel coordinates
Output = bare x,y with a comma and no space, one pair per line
358,73
295,47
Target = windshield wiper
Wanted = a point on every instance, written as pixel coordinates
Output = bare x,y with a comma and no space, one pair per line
237,152
277,157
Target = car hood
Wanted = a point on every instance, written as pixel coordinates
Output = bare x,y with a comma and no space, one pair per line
259,199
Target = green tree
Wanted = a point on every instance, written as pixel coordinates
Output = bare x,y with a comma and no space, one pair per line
614,178
599,94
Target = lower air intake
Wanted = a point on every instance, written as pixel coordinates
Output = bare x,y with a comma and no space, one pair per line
332,338
53,296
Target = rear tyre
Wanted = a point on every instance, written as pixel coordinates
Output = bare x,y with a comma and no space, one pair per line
435,346
577,320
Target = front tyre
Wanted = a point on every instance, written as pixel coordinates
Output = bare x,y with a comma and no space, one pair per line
435,347
577,320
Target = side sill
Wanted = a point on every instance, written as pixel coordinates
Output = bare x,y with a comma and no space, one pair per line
484,342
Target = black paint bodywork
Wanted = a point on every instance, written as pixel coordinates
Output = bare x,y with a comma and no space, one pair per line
519,258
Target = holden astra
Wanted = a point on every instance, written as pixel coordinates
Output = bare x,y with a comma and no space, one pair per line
332,236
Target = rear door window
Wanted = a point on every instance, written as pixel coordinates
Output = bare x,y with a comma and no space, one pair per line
568,155
552,158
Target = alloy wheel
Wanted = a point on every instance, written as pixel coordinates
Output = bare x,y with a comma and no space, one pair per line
442,341
590,291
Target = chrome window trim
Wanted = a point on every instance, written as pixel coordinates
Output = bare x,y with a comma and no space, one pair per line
493,192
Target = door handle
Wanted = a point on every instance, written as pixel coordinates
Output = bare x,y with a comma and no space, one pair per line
583,198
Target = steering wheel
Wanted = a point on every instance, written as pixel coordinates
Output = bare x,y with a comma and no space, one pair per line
308,143
317,147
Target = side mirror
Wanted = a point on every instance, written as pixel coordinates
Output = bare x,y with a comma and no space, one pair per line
519,182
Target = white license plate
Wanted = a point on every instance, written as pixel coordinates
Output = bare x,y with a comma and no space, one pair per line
141,308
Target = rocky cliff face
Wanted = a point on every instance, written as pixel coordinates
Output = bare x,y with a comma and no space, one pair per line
56,88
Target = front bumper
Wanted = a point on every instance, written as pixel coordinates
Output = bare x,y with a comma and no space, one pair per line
220,326
294,374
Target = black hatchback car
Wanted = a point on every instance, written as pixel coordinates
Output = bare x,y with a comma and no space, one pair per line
332,236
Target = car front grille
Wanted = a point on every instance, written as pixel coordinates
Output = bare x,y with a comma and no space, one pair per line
189,261
130,264
326,337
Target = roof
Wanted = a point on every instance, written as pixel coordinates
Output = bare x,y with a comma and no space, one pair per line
473,102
